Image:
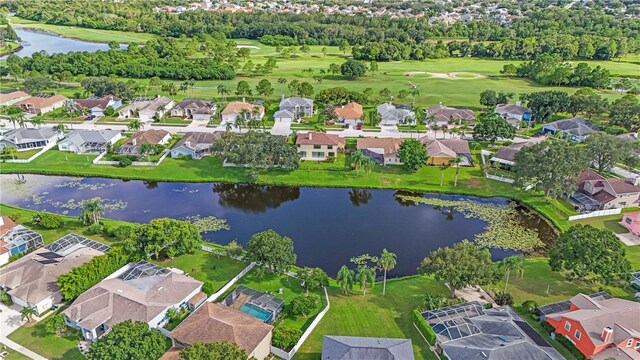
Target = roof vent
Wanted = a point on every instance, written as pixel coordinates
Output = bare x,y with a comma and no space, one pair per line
483,354
120,291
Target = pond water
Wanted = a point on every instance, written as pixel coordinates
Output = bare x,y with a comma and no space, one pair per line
328,225
34,41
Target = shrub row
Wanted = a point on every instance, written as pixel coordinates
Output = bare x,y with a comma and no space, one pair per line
423,327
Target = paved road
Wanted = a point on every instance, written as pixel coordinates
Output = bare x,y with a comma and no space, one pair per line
10,321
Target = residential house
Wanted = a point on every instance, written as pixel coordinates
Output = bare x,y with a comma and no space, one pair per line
283,116
235,108
16,239
506,155
443,116
631,221
146,108
194,144
215,322
31,280
299,107
383,151
12,96
28,139
514,113
89,141
153,137
318,146
628,136
595,192
196,109
349,114
575,129
258,304
469,331
96,105
396,115
42,104
444,151
365,348
600,326
138,292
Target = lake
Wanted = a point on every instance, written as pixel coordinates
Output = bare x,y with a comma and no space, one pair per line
328,225
34,41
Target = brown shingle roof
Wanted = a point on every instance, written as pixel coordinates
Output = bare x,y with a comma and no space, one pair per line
318,138
457,146
39,102
623,186
389,145
446,113
92,102
6,96
152,136
215,322
352,110
235,107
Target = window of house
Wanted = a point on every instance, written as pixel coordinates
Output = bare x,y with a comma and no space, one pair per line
332,154
627,220
630,342
317,146
567,325
302,153
329,147
317,154
578,334
637,345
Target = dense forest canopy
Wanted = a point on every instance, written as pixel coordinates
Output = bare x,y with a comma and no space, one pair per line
572,33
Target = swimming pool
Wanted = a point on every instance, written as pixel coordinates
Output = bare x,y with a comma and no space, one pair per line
262,314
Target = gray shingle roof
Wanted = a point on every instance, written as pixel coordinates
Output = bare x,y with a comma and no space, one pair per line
24,135
295,101
365,348
80,137
575,126
511,109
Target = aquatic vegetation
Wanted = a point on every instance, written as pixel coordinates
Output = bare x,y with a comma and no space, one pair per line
77,183
209,223
503,230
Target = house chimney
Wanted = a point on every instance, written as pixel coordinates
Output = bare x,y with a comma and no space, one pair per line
607,334
134,141
243,100
187,143
440,103
310,136
1,221
518,103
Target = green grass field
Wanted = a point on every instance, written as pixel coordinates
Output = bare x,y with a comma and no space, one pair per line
13,355
8,47
92,35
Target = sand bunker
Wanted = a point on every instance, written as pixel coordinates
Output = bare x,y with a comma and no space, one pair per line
450,76
247,46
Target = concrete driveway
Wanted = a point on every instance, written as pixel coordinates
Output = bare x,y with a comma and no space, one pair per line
281,128
9,322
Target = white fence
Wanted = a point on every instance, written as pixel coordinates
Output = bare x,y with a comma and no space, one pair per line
499,178
289,355
595,214
98,161
34,156
231,282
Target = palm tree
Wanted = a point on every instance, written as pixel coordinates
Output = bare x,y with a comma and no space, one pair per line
368,165
364,276
357,159
442,170
255,112
135,125
91,211
27,313
512,263
228,126
37,121
387,262
222,90
240,121
10,152
59,128
345,279
146,149
457,161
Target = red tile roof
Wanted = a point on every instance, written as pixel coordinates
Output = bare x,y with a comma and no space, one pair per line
7,224
318,138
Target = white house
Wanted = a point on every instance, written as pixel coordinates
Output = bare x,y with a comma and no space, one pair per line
146,108
16,239
138,291
195,109
28,139
89,141
396,115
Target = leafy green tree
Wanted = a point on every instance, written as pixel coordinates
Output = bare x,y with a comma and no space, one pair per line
552,166
586,101
164,238
129,340
5,298
544,104
625,112
146,149
334,68
27,313
264,88
345,279
91,211
434,301
365,276
271,250
243,88
352,69
513,263
303,305
490,127
344,46
585,252
305,90
373,67
47,220
38,84
463,264
257,150
488,98
55,324
313,278
387,262
213,351
285,337
135,125
606,150
413,154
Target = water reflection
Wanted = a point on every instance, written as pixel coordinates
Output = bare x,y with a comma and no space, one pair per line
254,198
359,196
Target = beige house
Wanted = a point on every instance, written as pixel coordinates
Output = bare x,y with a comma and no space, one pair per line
10,97
215,322
382,151
31,280
42,104
318,146
146,108
595,192
235,108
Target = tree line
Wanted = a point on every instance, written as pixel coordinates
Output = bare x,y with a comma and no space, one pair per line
573,33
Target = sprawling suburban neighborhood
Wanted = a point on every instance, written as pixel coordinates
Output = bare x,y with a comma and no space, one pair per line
330,180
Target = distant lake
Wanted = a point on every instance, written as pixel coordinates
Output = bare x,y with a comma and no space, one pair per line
328,225
35,40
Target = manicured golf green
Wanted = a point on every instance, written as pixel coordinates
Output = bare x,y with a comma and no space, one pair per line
92,35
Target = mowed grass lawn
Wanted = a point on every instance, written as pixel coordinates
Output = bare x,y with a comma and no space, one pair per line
13,355
206,267
36,338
